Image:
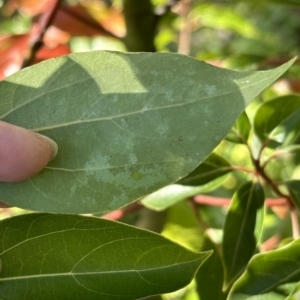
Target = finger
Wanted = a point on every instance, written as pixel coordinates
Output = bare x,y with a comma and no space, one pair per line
23,153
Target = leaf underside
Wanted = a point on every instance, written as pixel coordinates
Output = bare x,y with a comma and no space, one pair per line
125,124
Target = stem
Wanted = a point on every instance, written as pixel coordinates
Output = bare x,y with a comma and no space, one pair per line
260,170
45,20
295,223
241,168
121,213
216,201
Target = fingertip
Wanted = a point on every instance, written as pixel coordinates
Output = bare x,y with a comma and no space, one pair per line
23,153
52,144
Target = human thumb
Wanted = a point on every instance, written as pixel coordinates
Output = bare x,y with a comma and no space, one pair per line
23,153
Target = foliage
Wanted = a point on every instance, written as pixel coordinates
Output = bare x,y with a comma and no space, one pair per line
159,141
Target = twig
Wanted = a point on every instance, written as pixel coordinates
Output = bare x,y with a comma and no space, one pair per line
245,169
295,223
121,213
184,42
260,170
217,201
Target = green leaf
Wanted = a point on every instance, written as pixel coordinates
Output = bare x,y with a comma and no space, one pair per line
294,190
224,17
209,277
267,271
239,240
295,294
213,167
259,224
208,176
50,257
182,226
278,120
169,195
284,162
239,133
126,124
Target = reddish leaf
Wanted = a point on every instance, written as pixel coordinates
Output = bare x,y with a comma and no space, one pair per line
47,53
13,50
28,7
76,21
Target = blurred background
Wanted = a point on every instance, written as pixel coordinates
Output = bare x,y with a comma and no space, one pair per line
238,35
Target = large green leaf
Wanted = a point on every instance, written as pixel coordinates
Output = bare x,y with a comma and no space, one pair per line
125,124
267,271
239,239
50,257
278,120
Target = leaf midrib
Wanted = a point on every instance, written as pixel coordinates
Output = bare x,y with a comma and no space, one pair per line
74,274
128,114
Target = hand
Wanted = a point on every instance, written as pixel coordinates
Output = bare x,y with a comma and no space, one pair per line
23,153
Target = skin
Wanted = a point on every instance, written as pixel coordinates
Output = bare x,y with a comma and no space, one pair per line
23,153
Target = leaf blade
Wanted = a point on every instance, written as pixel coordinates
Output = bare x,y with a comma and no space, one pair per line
278,120
267,271
60,256
239,241
116,124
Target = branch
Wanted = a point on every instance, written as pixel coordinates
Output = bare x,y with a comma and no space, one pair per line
140,24
260,170
38,31
121,213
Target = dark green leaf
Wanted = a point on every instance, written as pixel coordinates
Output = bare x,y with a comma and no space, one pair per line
209,277
267,271
213,167
278,120
239,240
74,257
126,124
239,133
